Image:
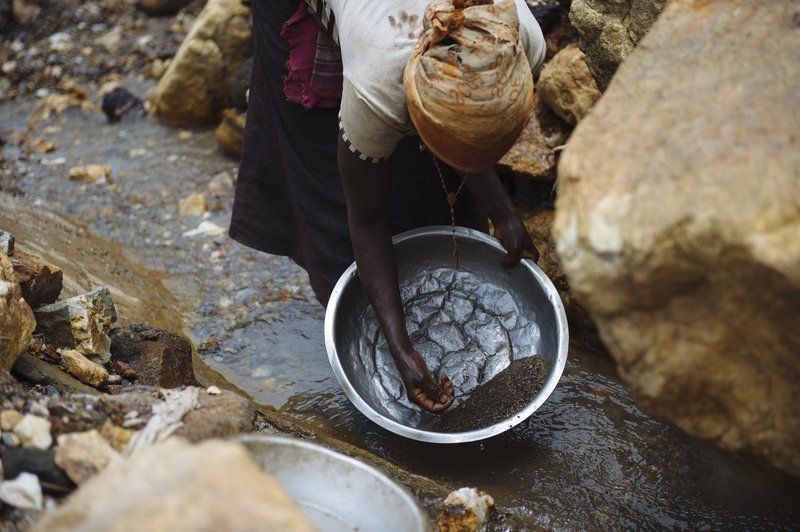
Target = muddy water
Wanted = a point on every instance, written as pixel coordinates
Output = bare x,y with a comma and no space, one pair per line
589,458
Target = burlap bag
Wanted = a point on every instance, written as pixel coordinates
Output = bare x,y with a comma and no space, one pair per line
468,83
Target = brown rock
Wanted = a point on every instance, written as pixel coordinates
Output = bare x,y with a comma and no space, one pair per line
159,358
16,319
533,154
677,223
567,87
195,85
123,370
230,132
40,281
83,369
193,205
89,261
90,172
177,486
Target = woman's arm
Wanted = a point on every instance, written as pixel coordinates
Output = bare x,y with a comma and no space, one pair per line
366,188
508,227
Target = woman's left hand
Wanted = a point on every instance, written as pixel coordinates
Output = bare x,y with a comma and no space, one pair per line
516,241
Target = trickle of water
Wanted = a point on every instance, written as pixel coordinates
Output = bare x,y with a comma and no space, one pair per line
452,197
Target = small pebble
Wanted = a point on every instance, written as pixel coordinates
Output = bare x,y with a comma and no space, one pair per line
23,492
38,409
9,419
34,431
10,439
213,390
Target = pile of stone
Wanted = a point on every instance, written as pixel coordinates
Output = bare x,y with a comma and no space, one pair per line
87,394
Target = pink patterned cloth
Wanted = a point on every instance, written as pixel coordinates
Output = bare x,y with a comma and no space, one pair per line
314,66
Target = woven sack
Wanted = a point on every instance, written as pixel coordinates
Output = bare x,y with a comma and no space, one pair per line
468,83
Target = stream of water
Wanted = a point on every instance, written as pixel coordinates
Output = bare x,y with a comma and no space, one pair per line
588,459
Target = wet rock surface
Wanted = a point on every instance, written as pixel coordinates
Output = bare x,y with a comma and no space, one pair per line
533,156
687,259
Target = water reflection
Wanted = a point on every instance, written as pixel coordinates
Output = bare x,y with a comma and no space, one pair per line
588,459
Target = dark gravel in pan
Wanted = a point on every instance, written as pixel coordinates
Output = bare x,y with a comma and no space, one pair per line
499,399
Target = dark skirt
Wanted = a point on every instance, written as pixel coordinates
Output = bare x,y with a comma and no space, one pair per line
289,199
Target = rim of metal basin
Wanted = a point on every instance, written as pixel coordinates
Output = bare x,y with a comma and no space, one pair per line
449,437
314,496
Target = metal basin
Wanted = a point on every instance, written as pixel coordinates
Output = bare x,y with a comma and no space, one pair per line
469,322
335,492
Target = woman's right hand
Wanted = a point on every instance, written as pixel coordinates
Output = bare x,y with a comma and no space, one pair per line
421,388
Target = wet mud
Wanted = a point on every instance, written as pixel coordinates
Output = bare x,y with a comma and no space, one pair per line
499,399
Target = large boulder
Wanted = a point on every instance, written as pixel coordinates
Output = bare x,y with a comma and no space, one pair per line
610,29
678,224
16,318
177,486
194,88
